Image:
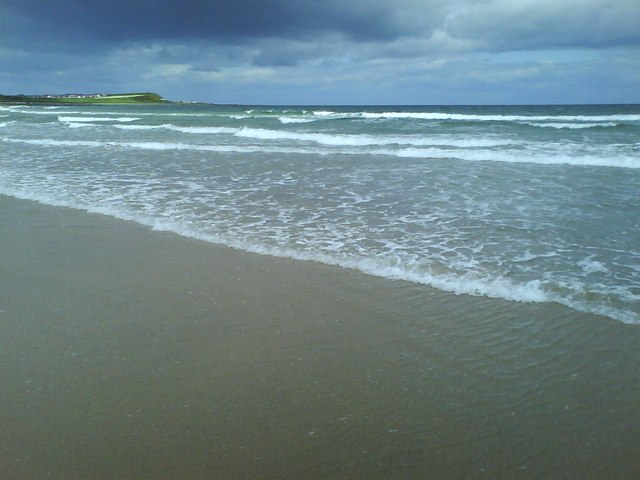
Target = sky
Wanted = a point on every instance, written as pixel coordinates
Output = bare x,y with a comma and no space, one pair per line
326,52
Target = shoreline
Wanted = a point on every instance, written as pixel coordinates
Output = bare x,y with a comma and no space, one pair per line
131,353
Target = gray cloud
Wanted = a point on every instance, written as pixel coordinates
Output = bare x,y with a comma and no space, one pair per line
525,25
222,20
489,23
393,47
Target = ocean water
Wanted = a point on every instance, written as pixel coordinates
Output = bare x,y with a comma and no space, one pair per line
523,203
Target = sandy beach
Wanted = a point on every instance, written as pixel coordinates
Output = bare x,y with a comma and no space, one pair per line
127,353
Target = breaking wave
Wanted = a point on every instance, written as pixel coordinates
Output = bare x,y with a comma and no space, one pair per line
470,153
97,119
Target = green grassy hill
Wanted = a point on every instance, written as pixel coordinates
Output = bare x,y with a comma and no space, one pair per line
86,99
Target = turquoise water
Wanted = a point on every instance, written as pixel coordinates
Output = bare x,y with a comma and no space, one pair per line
526,203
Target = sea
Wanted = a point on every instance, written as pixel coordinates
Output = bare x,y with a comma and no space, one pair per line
535,204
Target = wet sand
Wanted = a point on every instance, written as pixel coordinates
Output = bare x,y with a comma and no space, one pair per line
132,354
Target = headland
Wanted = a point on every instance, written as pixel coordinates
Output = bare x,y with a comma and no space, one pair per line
85,98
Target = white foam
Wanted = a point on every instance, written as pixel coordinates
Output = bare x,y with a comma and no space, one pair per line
541,158
443,116
48,142
498,118
287,120
328,115
572,126
592,266
366,140
578,297
469,284
97,119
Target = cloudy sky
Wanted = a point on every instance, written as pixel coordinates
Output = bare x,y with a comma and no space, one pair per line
326,51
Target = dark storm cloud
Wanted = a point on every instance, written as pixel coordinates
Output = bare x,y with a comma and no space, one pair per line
490,25
223,20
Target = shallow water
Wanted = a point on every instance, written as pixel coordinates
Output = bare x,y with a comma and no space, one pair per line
529,204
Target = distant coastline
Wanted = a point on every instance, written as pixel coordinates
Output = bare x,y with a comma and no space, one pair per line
83,98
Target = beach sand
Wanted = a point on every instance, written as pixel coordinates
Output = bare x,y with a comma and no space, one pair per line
132,354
